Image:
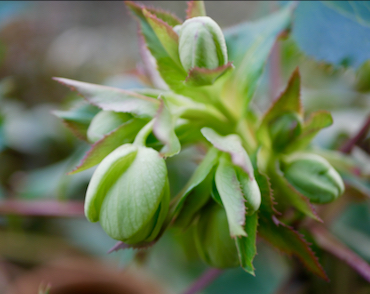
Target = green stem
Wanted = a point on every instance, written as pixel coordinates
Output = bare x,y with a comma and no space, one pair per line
140,139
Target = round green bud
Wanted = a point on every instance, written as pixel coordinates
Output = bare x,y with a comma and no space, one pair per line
285,129
212,239
129,194
313,176
105,122
201,44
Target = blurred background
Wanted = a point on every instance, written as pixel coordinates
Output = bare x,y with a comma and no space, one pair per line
96,42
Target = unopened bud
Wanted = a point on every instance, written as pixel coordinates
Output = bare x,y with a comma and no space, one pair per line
129,194
313,176
202,44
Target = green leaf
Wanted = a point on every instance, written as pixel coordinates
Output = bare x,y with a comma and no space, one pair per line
315,123
231,195
164,15
230,144
98,151
78,119
289,101
288,240
203,76
195,8
249,45
166,35
247,245
200,174
108,98
163,129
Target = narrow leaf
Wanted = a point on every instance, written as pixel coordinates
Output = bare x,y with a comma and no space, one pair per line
290,241
78,119
200,174
247,245
108,98
166,35
164,130
168,17
99,150
315,123
249,45
230,144
195,8
231,195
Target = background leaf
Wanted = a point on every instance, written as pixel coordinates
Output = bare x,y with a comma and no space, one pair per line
330,35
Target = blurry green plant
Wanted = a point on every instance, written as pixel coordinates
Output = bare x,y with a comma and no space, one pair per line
258,171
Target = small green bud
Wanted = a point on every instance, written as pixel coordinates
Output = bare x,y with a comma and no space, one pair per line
285,129
201,44
212,239
313,176
129,194
105,122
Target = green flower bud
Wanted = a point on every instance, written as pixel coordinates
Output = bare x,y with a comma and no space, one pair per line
105,122
212,239
313,176
285,129
202,44
129,194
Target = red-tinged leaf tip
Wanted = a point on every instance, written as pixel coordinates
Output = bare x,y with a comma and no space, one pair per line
195,8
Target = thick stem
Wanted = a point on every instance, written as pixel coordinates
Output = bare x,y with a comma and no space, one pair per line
204,280
348,146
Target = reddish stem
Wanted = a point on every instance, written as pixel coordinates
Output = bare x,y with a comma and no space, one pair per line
332,245
50,208
204,280
348,146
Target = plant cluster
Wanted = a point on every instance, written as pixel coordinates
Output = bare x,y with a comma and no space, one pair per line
259,172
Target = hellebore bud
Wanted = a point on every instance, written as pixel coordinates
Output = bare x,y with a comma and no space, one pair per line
105,122
285,129
212,239
129,194
313,176
201,44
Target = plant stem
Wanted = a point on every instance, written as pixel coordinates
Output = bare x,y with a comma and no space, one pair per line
143,134
204,280
348,146
332,245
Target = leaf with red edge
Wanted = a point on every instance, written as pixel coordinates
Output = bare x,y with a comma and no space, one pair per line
78,119
246,245
315,123
195,8
203,76
164,130
290,241
288,101
267,194
123,134
108,98
166,35
164,15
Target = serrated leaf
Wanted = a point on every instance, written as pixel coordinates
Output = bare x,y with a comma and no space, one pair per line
288,101
166,35
195,8
123,134
108,98
164,15
332,36
78,119
249,45
200,174
267,194
315,123
288,240
231,195
247,245
164,130
203,76
230,144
